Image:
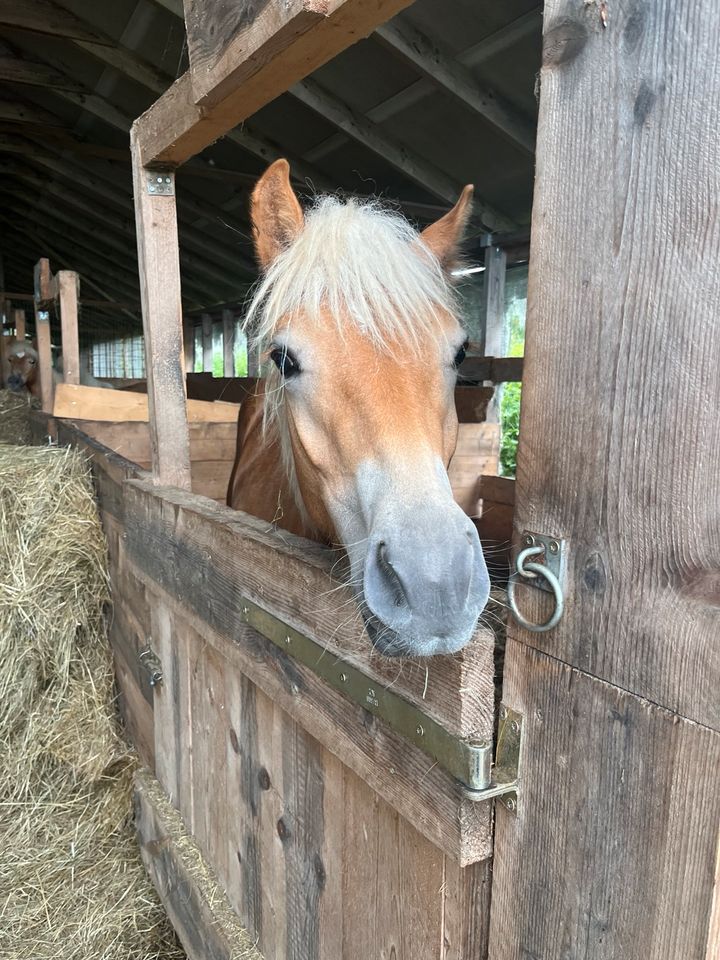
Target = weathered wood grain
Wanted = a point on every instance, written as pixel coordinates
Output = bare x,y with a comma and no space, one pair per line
613,851
131,439
45,370
75,402
159,268
67,285
620,437
19,321
195,903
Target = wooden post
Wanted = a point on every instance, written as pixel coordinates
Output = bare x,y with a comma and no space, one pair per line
67,285
159,265
612,851
4,344
207,343
228,319
493,312
19,321
45,364
189,344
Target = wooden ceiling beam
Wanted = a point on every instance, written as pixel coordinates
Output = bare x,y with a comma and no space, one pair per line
41,16
236,70
17,70
398,155
473,56
19,112
447,74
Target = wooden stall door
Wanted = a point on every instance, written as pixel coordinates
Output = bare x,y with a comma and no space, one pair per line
613,853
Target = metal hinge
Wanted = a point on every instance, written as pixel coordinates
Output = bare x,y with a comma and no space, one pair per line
150,662
504,780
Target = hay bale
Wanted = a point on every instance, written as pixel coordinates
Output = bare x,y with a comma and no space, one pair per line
72,886
14,422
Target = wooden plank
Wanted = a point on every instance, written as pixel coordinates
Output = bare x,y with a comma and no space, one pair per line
40,16
618,813
189,344
68,283
238,554
238,67
208,441
631,477
493,308
195,903
494,369
159,266
74,402
207,343
19,321
228,336
498,489
45,365
17,70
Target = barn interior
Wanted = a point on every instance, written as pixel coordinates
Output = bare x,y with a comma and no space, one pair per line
424,105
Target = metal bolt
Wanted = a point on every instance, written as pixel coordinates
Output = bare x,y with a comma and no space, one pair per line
514,726
343,677
420,730
553,546
509,803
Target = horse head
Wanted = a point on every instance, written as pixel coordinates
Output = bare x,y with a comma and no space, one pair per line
359,318
23,359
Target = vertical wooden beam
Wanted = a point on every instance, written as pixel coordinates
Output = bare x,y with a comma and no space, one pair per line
207,342
613,849
189,344
67,285
159,266
4,344
228,320
45,364
19,321
493,312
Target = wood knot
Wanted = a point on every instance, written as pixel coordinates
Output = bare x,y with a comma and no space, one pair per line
263,779
319,870
234,742
563,42
283,831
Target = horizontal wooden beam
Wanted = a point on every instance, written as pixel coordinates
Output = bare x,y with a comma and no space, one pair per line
494,369
447,74
235,71
41,16
18,70
19,112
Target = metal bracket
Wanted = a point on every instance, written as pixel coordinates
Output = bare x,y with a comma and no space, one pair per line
504,782
150,662
554,557
160,184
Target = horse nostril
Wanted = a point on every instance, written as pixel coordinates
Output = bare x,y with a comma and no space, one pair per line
391,576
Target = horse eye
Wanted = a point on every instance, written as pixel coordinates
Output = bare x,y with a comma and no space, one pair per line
285,362
460,355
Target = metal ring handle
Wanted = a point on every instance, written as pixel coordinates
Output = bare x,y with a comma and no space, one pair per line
530,571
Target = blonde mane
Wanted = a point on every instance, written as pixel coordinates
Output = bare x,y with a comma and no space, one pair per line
364,264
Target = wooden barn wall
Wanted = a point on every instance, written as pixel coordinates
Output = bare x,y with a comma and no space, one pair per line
614,849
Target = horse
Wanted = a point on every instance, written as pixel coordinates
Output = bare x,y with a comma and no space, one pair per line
23,359
349,437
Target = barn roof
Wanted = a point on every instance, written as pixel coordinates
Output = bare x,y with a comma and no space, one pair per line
442,95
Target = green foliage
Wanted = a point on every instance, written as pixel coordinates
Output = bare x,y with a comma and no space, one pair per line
511,395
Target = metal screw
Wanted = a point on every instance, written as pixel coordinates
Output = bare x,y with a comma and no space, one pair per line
515,726
343,677
553,546
503,713
152,189
245,611
288,640
419,730
509,803
159,179
167,179
529,540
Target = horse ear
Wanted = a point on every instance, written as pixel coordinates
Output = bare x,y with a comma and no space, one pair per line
276,214
445,235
